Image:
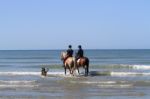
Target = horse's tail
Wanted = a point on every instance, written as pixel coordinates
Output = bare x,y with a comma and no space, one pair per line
61,56
87,65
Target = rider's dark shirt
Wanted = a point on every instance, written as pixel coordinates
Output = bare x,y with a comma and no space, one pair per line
80,53
69,52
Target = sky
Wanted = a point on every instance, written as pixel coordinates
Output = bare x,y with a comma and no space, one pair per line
94,24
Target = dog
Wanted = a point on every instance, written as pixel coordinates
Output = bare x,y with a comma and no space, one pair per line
44,72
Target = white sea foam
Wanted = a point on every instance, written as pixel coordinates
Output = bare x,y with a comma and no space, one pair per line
61,74
116,86
142,67
16,85
95,82
19,73
29,73
135,66
49,74
129,74
17,82
106,84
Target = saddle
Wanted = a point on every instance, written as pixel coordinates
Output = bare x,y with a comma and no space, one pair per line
78,60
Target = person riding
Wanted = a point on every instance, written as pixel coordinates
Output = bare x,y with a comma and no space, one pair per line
69,52
80,53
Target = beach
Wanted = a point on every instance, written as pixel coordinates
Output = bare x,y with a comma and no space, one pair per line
60,86
38,37
114,74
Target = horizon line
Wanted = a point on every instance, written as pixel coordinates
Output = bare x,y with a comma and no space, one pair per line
76,49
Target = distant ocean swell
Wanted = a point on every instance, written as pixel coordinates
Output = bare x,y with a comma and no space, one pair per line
105,66
121,66
113,70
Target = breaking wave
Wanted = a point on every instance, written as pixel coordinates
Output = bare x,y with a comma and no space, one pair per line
61,74
122,66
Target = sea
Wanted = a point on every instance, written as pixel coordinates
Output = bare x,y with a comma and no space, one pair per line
113,74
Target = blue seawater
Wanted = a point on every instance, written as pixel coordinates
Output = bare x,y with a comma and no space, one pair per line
32,60
114,74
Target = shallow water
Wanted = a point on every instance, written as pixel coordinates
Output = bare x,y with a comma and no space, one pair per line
57,85
114,74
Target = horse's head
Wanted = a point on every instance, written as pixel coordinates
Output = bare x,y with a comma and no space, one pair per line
63,55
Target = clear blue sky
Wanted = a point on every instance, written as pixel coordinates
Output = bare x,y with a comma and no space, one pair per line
95,24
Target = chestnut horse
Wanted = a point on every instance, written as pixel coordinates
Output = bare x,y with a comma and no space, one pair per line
83,62
69,62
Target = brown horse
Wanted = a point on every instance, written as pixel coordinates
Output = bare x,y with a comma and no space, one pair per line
83,62
69,62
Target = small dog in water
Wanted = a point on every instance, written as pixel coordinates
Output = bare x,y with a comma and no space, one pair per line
44,72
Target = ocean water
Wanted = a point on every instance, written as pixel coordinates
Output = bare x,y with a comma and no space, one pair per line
114,74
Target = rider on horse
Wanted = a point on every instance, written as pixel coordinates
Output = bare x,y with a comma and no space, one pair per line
72,63
80,53
69,53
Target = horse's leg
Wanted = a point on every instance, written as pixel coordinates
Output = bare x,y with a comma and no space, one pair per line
78,70
65,70
70,70
86,70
